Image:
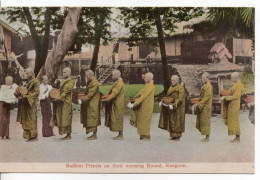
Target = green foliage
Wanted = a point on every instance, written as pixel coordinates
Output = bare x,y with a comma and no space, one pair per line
89,16
16,14
141,21
235,20
248,79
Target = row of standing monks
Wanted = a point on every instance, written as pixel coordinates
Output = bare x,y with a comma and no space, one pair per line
172,117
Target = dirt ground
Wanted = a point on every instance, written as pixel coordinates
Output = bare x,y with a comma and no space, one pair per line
131,149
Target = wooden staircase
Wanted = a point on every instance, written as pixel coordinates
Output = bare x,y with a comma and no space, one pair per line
107,68
107,73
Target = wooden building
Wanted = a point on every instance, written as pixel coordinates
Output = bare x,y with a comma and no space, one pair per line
7,34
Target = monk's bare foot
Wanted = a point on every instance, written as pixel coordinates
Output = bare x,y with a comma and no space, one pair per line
205,140
93,137
236,140
68,137
118,138
145,139
32,140
171,138
7,137
177,139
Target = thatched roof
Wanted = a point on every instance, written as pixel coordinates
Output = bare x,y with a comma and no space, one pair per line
223,66
218,51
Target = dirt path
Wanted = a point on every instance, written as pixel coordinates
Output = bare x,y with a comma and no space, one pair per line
131,149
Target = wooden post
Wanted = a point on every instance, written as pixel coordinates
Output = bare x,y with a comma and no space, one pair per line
220,85
132,59
234,56
79,65
113,58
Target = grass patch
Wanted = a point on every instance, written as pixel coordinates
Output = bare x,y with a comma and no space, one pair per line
131,90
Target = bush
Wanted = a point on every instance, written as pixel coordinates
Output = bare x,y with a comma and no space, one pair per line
248,79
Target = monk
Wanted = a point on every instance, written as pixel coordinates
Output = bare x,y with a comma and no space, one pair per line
142,108
45,104
62,106
114,109
6,99
231,106
90,106
204,107
27,107
172,117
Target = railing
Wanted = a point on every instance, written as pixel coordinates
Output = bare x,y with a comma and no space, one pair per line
109,59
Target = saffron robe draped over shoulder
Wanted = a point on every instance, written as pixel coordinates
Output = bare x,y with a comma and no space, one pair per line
62,109
90,107
205,109
27,109
141,114
230,109
174,120
114,109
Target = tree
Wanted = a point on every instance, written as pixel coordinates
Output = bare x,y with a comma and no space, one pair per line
93,26
99,25
39,21
239,22
142,22
64,43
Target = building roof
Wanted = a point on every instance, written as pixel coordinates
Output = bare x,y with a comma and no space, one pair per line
219,50
223,66
8,27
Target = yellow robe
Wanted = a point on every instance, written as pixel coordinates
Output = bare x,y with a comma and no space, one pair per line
90,107
62,110
27,109
205,109
114,112
174,120
230,109
141,114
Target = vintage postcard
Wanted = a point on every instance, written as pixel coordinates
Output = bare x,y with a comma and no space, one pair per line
127,89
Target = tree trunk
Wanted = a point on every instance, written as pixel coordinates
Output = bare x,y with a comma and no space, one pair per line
40,44
98,33
42,52
158,24
64,43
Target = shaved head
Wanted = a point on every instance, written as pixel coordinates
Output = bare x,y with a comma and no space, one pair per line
29,70
117,72
175,77
234,77
67,69
9,80
89,75
148,77
29,73
90,72
66,72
